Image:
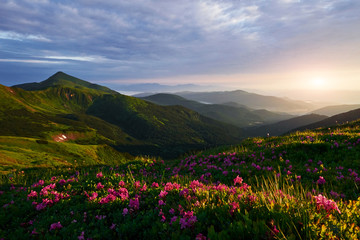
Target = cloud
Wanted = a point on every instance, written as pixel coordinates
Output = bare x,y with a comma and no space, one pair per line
161,39
31,61
21,37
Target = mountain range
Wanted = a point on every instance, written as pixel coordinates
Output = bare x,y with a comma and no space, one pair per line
87,113
251,100
232,113
65,119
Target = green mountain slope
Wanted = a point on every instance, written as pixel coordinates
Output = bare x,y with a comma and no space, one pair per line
334,120
63,80
285,126
90,114
236,115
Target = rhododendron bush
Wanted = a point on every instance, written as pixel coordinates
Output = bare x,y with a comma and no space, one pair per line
301,186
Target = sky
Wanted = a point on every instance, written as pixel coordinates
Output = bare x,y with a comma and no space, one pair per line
299,47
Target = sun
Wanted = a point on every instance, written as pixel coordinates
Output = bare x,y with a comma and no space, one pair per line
318,82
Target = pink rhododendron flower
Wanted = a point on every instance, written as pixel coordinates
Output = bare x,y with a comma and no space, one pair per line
161,203
327,204
113,226
125,211
200,237
134,203
32,194
121,183
321,180
55,226
99,186
154,185
81,236
238,180
163,194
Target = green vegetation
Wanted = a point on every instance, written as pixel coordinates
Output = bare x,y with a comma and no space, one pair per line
301,186
89,114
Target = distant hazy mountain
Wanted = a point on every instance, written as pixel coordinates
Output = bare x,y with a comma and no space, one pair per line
282,127
336,109
65,105
334,120
158,88
234,114
251,100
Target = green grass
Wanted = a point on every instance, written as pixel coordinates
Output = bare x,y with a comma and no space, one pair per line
21,153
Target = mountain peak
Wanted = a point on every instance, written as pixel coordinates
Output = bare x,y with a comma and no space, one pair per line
61,79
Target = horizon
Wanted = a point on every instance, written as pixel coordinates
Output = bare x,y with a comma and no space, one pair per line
286,48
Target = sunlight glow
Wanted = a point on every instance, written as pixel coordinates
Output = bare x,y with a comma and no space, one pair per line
318,82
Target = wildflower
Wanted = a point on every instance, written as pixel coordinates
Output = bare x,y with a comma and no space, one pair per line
234,206
161,203
144,188
121,183
137,184
99,186
55,226
32,194
327,204
163,194
321,181
93,196
112,227
200,237
172,211
62,182
81,236
41,182
173,219
125,211
34,232
155,185
134,203
238,180
99,175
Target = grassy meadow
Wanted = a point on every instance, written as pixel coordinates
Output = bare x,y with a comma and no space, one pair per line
300,186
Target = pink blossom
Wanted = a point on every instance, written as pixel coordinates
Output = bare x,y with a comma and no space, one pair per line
134,203
99,175
55,226
32,194
321,180
234,206
172,211
82,236
34,232
154,185
62,182
173,219
99,186
144,188
163,194
161,203
137,184
327,204
125,211
93,196
41,182
238,180
121,183
200,237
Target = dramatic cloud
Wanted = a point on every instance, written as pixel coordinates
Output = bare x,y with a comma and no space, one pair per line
171,40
